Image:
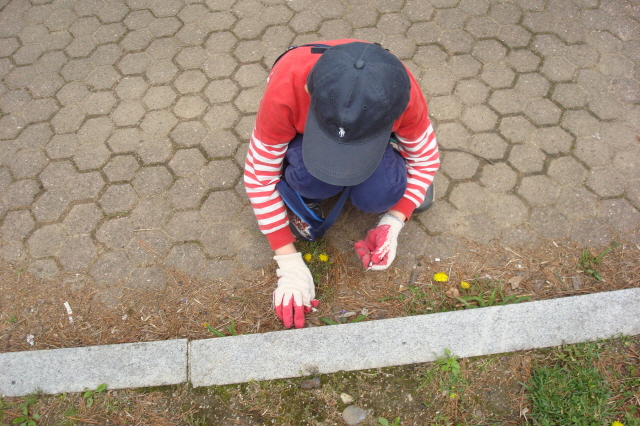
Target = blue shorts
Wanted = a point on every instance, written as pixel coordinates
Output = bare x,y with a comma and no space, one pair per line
381,191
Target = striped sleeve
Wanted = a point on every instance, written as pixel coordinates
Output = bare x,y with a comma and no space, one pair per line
418,146
262,171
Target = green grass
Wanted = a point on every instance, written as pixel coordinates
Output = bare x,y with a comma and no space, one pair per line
571,389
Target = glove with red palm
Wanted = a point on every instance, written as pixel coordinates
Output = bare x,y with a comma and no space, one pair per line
378,250
295,294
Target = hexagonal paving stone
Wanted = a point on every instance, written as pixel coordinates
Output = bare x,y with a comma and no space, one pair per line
626,162
542,111
16,225
159,97
488,145
523,60
185,226
221,91
437,81
567,171
549,222
472,91
99,103
580,123
590,232
51,205
453,135
592,151
479,118
152,180
121,168
497,75
220,174
220,206
489,51
82,219
459,165
445,107
220,143
115,233
532,85
147,247
190,81
469,197
570,95
190,106
619,214
128,113
188,133
47,240
119,198
131,87
606,107
125,140
607,182
221,117
187,162
507,210
161,72
111,267
498,177
557,68
554,140
154,150
77,252
187,258
507,101
158,123
538,190
186,193
577,202
527,158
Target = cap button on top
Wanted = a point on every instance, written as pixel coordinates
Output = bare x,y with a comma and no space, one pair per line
359,64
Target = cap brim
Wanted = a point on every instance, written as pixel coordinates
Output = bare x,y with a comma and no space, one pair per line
338,163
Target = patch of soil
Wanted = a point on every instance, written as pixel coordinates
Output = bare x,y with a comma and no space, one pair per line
33,310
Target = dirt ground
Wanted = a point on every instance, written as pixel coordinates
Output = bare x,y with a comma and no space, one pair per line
33,315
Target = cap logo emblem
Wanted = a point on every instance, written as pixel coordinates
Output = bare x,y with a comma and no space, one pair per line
341,132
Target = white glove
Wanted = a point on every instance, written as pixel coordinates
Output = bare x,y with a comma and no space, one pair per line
378,250
295,293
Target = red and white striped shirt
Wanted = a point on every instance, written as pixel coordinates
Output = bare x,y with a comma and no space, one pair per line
283,113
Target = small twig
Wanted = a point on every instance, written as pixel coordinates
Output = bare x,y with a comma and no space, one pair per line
467,152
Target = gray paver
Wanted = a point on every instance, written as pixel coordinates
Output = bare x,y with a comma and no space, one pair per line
145,109
73,370
522,326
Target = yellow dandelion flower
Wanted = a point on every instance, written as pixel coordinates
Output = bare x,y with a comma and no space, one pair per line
323,257
307,257
464,284
453,395
617,423
441,277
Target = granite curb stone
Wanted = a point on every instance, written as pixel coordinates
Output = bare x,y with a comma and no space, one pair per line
413,339
76,369
322,350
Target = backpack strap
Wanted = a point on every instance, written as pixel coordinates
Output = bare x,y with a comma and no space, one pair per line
335,211
316,48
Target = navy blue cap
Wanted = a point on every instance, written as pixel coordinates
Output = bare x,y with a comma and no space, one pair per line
358,90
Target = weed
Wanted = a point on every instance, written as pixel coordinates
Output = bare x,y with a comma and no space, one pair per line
385,422
449,363
231,328
12,319
199,421
316,258
344,320
27,419
88,395
496,297
588,262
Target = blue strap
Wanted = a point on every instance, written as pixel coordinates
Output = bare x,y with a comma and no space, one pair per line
294,201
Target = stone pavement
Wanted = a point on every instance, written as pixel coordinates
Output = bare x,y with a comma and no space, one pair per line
124,125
